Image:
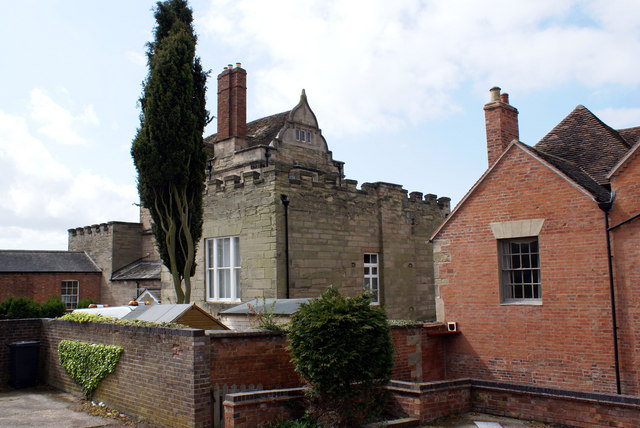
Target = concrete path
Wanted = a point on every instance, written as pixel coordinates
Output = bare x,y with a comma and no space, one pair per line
45,407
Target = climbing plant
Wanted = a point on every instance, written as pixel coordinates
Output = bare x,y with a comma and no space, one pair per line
88,363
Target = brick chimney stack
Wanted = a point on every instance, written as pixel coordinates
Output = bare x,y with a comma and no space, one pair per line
232,102
501,121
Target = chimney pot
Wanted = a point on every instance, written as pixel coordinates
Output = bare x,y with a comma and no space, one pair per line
504,98
495,94
238,65
229,65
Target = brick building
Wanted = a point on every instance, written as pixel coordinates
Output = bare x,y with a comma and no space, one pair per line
39,275
522,262
281,220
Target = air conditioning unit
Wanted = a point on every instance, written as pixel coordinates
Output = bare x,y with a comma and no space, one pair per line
452,326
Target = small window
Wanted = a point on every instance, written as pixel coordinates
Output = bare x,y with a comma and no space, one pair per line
308,137
303,136
297,135
69,293
520,270
223,268
372,276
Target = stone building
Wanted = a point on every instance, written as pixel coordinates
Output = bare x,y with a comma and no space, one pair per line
539,263
126,254
281,220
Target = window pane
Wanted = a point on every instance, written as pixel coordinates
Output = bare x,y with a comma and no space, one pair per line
227,252
210,278
534,246
374,258
515,261
219,252
374,270
515,248
374,283
297,135
367,258
236,251
236,273
367,283
524,247
209,253
525,261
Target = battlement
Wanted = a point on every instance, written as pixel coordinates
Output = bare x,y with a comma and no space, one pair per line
297,176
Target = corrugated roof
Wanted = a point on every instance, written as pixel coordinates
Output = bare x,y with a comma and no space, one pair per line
139,270
26,261
280,306
158,313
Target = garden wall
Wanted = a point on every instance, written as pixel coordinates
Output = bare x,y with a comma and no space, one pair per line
15,331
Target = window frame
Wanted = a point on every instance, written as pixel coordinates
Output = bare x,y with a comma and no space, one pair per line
212,272
73,283
527,274
370,275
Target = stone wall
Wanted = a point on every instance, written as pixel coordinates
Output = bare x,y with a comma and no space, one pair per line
331,225
112,246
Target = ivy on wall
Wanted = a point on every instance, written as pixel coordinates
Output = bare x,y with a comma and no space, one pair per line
88,363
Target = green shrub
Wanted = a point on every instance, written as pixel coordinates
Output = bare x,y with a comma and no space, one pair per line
85,302
343,349
54,307
19,307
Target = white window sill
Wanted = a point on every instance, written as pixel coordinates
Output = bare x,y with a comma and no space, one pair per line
523,302
224,301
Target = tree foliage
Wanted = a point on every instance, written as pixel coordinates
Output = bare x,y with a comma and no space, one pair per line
342,347
168,149
19,307
53,307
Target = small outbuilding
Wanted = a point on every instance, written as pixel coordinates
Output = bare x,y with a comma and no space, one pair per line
239,317
188,314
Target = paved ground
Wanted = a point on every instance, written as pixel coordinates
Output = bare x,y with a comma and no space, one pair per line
46,407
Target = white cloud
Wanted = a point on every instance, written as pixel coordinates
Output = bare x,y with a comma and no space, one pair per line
40,197
378,65
619,118
58,123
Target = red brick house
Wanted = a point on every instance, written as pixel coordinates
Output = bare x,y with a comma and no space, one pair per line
522,262
38,275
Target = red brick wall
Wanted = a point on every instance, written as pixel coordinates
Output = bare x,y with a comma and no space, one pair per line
418,355
626,258
41,286
251,358
567,340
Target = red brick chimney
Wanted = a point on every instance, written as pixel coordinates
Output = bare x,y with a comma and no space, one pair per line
232,102
501,121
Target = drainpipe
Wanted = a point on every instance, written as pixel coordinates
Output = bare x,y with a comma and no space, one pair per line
606,206
285,202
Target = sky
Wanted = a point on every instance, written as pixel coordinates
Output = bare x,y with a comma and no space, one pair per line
397,86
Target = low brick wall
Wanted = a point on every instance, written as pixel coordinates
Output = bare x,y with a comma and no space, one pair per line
428,401
15,331
252,409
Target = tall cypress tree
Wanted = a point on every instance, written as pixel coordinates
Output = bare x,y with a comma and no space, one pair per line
168,149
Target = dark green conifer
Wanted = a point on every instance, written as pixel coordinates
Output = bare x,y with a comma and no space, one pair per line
168,149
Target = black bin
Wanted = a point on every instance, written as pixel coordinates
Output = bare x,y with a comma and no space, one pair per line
24,363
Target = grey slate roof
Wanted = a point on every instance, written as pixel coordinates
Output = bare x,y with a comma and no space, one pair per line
27,261
259,132
280,306
140,270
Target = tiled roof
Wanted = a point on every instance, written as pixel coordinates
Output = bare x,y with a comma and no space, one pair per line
139,270
631,135
584,140
26,261
261,131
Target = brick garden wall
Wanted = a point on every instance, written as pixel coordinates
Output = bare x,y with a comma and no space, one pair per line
162,375
41,286
15,331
